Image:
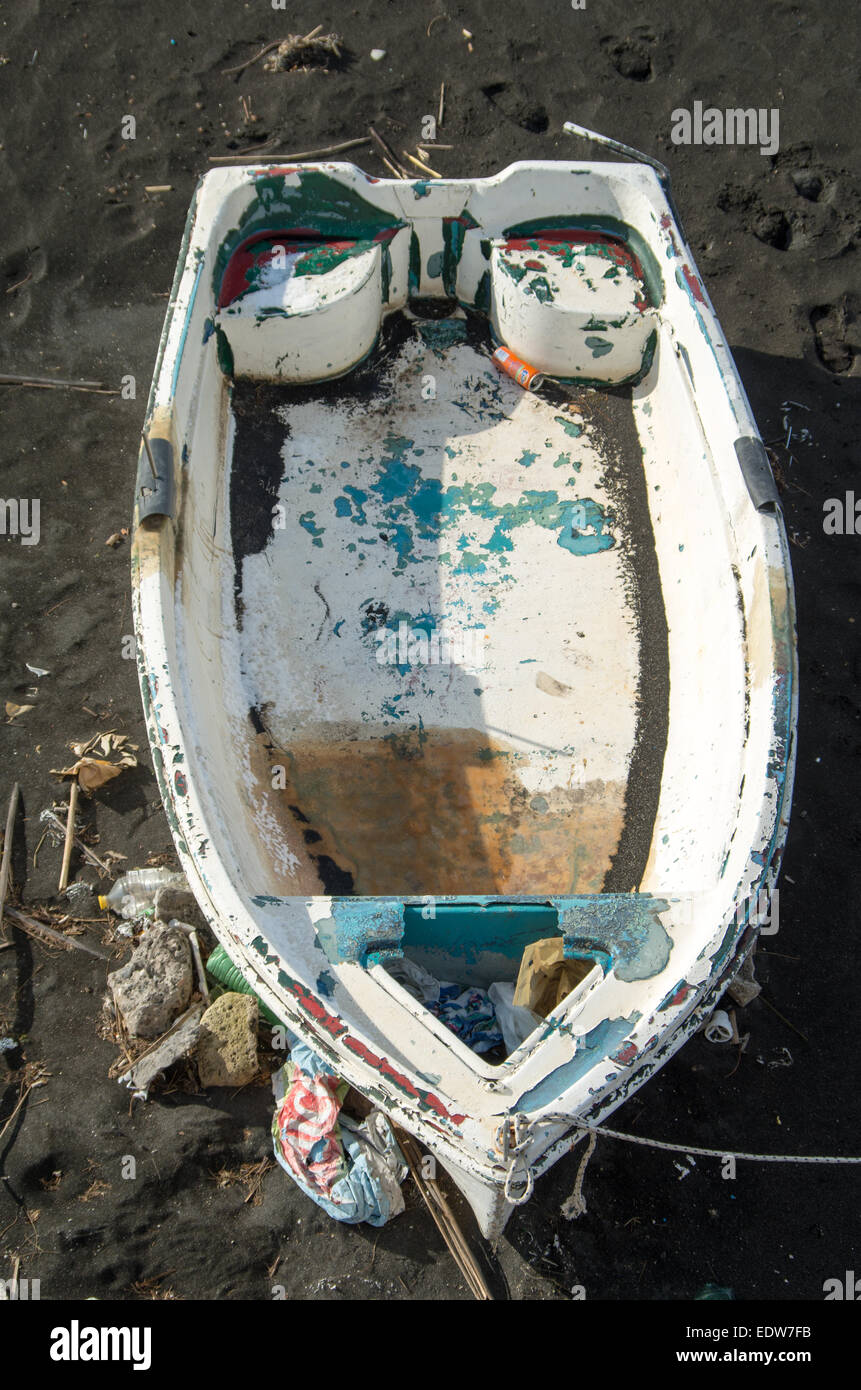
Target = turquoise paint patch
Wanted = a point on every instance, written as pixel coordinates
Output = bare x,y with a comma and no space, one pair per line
599,347
361,930
600,1042
468,929
569,426
624,926
434,267
307,522
586,532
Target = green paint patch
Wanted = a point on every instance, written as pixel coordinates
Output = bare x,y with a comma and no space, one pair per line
599,347
441,334
513,269
539,285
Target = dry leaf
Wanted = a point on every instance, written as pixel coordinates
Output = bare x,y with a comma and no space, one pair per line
114,540
93,772
13,710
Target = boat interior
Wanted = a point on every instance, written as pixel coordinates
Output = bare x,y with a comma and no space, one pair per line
462,676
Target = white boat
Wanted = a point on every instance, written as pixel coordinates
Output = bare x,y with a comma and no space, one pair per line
435,666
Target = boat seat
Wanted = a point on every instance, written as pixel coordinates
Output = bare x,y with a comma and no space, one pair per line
572,304
300,310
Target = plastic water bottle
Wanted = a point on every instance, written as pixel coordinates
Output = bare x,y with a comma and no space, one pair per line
132,894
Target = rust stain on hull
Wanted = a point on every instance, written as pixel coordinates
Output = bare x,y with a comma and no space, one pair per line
442,811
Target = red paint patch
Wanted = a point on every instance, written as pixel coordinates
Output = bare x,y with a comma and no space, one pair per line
616,250
244,259
381,1064
693,283
312,1006
234,281
626,1054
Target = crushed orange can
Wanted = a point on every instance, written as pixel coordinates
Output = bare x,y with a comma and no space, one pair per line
515,367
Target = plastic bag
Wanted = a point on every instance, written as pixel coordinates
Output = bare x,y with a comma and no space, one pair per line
546,976
516,1023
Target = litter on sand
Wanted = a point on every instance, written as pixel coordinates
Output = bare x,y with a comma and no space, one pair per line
99,760
718,1029
314,50
352,1170
467,1012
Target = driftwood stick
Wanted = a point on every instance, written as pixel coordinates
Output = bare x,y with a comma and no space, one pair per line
61,383
248,63
150,459
34,928
6,863
85,849
441,104
70,836
444,1217
425,168
303,154
26,1086
388,155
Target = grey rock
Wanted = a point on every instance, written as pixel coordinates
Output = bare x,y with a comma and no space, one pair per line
180,903
155,984
745,986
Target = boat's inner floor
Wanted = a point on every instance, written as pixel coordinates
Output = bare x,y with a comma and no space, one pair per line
451,624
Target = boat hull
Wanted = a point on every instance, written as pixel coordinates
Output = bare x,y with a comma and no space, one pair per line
429,662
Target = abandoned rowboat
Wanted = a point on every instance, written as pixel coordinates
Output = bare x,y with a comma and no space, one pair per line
435,667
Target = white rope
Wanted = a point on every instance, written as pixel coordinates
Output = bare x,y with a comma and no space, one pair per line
704,1153
575,1205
